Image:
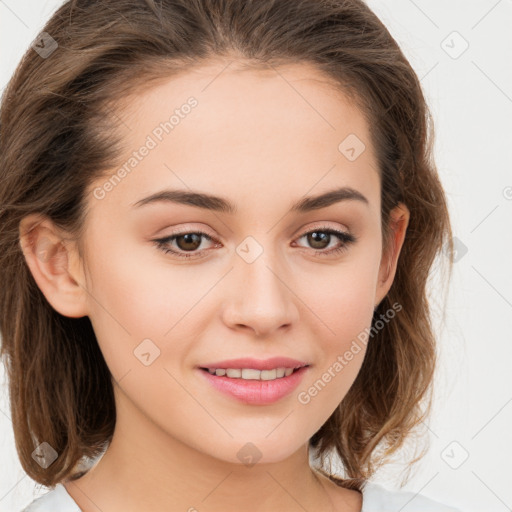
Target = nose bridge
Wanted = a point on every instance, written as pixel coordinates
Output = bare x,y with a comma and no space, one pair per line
262,300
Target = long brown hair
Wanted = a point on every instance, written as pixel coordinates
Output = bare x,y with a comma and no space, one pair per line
57,137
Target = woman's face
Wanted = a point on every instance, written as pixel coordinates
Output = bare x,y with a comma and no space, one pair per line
265,280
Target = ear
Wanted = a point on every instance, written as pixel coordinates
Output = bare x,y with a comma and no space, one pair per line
399,220
55,265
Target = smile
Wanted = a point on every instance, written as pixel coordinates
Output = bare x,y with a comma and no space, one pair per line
251,373
255,387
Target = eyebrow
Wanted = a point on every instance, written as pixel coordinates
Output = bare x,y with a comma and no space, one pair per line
219,204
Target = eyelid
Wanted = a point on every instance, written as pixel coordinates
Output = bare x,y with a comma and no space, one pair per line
191,229
321,225
299,233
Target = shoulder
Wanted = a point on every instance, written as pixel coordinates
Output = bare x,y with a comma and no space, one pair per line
377,498
56,500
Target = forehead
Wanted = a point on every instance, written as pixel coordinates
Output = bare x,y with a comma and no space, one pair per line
276,130
298,99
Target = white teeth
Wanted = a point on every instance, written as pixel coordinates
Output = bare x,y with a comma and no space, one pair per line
251,374
268,374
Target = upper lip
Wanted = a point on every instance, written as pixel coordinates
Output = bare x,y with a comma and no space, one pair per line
257,364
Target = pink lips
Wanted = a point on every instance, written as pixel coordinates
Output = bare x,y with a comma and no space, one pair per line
256,392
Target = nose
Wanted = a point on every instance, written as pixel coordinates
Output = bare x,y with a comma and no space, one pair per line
261,297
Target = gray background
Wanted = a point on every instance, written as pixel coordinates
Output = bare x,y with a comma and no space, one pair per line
470,94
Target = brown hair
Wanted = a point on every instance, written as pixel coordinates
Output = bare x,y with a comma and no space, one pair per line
57,137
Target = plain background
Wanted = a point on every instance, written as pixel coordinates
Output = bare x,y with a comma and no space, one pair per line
470,94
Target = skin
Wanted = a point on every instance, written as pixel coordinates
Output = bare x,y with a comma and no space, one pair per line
263,140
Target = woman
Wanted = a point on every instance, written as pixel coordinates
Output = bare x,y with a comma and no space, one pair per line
218,222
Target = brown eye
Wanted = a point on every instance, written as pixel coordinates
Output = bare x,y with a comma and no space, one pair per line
185,242
189,241
318,239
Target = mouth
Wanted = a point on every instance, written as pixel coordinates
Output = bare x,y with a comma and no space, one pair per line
253,373
252,386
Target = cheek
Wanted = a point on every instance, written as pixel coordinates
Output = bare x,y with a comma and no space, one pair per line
342,299
132,279
343,296
129,304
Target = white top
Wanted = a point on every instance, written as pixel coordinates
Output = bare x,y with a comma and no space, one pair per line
375,499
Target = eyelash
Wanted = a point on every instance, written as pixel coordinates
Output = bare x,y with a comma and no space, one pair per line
345,238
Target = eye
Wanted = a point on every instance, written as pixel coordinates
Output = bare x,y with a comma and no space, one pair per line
186,241
321,237
190,242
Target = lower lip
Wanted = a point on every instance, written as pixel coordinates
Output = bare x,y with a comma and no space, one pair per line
256,392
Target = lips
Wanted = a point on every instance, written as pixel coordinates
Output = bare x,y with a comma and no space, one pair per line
255,391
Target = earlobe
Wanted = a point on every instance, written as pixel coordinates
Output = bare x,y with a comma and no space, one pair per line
399,220
48,256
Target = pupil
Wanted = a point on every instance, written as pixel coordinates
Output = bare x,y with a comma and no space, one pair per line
190,238
319,237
